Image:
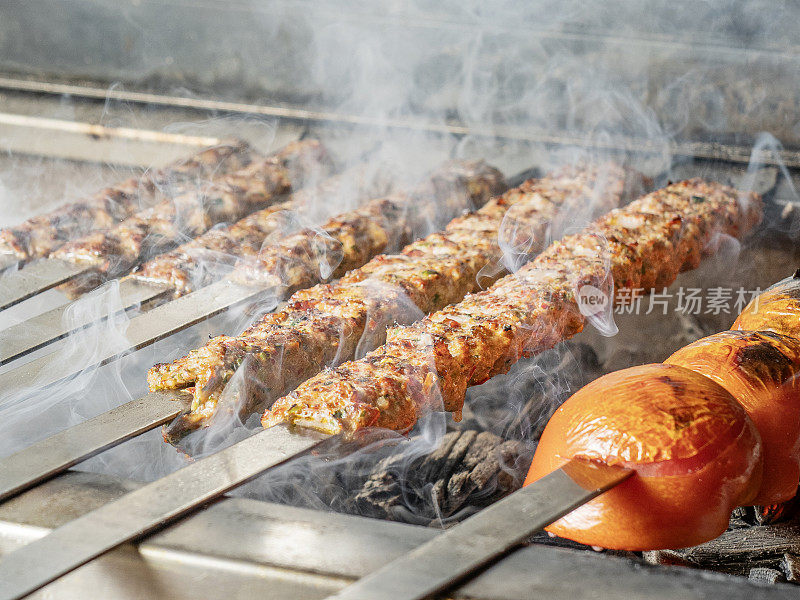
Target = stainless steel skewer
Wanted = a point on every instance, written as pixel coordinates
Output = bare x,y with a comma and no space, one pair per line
143,330
147,509
483,538
428,569
36,278
25,337
58,452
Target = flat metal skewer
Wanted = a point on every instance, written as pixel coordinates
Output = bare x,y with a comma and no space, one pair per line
153,506
7,261
143,330
58,452
486,536
35,278
25,337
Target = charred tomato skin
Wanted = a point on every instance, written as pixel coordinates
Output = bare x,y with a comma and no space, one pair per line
696,453
776,309
760,369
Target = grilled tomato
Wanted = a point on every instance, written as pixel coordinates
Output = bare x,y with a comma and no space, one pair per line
776,309
760,369
696,453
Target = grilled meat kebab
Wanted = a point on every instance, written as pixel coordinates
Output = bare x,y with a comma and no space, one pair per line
207,258
115,251
325,324
429,365
40,235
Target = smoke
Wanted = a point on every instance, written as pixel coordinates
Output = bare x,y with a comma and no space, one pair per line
521,84
30,413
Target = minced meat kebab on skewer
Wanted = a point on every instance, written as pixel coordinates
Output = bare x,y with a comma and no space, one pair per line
325,323
40,235
117,250
645,245
196,263
207,258
429,365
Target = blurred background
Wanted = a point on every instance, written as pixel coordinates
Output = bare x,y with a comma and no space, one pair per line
722,70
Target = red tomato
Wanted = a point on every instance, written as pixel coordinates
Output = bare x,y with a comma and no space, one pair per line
760,369
696,453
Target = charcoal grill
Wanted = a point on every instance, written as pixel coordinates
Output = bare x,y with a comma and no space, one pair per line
238,547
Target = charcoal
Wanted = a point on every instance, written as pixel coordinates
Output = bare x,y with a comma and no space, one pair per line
742,517
791,567
403,480
765,575
776,513
469,470
739,550
666,558
745,516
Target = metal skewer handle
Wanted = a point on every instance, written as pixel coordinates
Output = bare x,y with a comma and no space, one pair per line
483,538
36,278
143,330
25,337
59,452
31,567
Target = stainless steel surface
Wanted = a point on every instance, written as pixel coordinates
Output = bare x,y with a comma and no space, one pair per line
57,453
695,149
139,151
7,261
208,104
35,278
483,538
35,565
76,140
27,336
663,56
239,549
143,330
